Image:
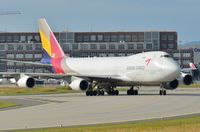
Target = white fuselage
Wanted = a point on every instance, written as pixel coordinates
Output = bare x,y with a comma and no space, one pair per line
147,68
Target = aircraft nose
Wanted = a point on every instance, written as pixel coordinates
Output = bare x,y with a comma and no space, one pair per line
173,70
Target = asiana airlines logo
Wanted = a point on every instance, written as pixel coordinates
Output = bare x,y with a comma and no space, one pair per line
148,61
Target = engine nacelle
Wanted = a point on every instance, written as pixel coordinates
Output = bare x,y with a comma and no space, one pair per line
26,81
171,85
79,84
185,79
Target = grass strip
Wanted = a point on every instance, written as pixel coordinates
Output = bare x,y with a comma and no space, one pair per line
36,90
187,124
5,104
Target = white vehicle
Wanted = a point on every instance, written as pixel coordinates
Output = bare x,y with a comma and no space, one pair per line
97,75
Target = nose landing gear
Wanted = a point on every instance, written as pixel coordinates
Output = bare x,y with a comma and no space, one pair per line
162,91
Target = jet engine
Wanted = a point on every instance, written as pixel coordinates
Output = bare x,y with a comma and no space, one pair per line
79,84
185,79
26,81
171,85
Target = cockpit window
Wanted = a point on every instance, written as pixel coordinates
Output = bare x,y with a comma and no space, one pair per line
166,56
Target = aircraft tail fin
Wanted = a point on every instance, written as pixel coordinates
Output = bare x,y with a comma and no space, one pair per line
52,52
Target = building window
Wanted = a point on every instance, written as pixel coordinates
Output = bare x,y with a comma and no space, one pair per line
121,46
10,63
176,55
111,46
2,54
74,46
155,35
128,38
93,46
9,39
170,37
79,38
141,38
86,38
10,56
16,39
19,56
170,46
29,70
63,35
2,38
148,46
10,47
134,38
29,56
148,37
106,38
121,38
30,38
164,46
38,47
19,47
93,37
10,69
186,55
38,70
23,38
186,62
102,46
65,47
114,38
29,47
37,38
100,37
164,37
84,46
38,56
130,46
139,46
2,47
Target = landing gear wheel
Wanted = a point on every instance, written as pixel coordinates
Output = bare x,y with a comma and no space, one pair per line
132,92
87,93
91,93
135,92
94,93
102,92
116,92
163,92
113,92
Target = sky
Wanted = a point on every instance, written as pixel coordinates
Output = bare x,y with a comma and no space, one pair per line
182,16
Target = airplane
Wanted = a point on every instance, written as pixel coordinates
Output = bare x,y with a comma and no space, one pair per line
190,69
97,75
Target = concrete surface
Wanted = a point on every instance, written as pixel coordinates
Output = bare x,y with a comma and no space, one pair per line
78,109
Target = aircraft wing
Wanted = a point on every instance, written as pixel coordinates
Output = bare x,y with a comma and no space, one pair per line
27,62
112,78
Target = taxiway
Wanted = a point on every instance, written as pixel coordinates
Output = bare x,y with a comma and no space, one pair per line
38,111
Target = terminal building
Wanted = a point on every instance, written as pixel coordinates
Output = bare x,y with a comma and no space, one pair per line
26,46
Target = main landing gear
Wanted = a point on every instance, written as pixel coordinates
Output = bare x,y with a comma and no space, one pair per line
92,92
131,91
113,92
95,93
100,91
